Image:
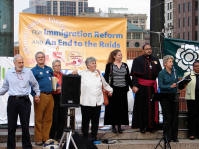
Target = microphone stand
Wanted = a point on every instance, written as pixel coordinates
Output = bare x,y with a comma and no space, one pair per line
164,142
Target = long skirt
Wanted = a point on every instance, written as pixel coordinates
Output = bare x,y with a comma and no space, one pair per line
116,112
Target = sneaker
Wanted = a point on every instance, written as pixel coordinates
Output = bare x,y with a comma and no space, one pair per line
39,143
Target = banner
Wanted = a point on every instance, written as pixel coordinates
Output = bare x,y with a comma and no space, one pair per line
184,52
70,39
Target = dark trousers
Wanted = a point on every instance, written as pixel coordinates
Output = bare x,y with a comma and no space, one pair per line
170,110
59,117
90,114
18,106
193,117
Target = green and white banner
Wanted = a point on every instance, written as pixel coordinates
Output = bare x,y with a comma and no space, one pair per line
185,53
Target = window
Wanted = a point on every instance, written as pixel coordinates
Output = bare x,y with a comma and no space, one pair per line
196,5
170,15
171,5
196,35
189,6
183,35
188,35
129,36
136,35
196,20
137,44
184,7
188,21
183,23
178,8
178,36
127,44
135,21
179,23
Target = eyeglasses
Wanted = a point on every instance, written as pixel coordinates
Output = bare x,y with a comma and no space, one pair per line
57,66
148,49
41,57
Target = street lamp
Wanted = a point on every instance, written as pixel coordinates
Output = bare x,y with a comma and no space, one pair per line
160,34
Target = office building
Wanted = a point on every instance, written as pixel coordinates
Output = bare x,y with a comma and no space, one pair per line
186,19
6,27
59,7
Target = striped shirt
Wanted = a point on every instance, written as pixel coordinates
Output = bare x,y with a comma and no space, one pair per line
119,75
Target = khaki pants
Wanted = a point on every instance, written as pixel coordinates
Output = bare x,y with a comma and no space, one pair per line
43,117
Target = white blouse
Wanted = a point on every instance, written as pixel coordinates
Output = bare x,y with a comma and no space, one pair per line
91,88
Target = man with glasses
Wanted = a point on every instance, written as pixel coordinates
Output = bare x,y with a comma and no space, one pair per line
17,83
145,69
43,109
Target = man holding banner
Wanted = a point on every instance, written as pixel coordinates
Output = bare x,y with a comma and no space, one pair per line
145,69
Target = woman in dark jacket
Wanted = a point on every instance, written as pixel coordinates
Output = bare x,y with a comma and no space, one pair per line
117,75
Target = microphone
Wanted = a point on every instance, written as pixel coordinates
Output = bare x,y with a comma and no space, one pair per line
174,71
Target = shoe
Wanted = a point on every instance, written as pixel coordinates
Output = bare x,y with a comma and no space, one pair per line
39,143
191,137
114,130
120,130
142,130
174,140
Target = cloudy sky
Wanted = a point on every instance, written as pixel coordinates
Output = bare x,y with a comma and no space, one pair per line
134,6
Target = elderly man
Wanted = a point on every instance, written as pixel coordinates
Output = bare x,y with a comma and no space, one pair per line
43,109
17,83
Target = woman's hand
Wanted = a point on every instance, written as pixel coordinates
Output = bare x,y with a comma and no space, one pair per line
135,89
75,72
109,94
173,85
58,89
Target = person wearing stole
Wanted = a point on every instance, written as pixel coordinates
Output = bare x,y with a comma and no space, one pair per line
144,71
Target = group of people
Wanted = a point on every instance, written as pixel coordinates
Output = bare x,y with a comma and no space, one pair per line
49,116
117,81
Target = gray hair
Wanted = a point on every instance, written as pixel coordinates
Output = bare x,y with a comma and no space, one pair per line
16,57
55,61
166,58
39,52
90,59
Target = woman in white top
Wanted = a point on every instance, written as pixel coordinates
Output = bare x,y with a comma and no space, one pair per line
91,97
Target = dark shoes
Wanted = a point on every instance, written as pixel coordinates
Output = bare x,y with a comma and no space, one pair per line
142,130
173,140
191,137
114,130
120,130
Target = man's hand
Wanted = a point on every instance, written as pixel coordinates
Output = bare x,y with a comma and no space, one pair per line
37,99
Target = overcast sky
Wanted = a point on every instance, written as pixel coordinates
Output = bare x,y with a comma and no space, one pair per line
134,6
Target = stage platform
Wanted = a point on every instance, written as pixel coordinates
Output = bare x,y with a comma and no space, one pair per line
129,139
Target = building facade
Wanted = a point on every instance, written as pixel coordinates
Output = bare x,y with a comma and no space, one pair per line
6,27
186,16
168,16
59,7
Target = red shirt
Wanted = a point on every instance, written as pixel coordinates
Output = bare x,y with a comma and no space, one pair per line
59,82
